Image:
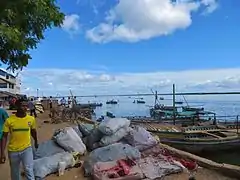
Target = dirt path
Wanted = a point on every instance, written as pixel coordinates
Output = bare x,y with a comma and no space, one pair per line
45,132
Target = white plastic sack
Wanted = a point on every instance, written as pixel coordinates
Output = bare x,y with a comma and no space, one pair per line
46,149
48,165
93,139
110,126
68,139
140,138
76,129
85,129
109,153
117,136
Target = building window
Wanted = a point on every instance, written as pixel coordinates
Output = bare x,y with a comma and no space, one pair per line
11,86
3,85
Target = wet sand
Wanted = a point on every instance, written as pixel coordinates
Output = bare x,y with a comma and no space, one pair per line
45,132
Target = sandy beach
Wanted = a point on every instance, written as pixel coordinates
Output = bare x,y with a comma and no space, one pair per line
45,132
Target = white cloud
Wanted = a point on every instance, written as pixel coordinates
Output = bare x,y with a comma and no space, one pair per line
81,82
71,24
136,20
211,5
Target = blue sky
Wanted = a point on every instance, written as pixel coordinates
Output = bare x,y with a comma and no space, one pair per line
135,45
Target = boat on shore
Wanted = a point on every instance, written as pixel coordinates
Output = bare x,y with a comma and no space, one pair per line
195,139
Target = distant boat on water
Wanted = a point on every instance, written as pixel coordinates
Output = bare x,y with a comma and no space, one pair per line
109,114
139,101
90,105
178,102
112,102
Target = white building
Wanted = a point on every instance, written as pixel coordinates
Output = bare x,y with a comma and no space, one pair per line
9,82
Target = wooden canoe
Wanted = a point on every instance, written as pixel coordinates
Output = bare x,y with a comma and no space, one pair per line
194,140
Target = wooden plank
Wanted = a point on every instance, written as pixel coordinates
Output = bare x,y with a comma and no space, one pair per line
225,169
213,135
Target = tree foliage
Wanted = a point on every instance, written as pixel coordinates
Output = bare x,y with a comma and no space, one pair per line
22,26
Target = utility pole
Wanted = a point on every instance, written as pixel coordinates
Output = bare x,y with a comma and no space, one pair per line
37,92
174,108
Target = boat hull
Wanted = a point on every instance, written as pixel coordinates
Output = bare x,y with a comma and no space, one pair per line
194,139
202,147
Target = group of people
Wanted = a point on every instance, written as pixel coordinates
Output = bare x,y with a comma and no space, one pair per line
68,103
20,127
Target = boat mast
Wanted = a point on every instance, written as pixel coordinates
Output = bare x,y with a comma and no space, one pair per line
174,108
156,97
185,101
237,123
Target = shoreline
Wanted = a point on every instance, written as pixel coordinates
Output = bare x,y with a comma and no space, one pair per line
45,132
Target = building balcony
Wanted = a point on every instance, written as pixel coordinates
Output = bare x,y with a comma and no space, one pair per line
8,90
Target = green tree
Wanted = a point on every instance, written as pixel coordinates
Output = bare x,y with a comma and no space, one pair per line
22,26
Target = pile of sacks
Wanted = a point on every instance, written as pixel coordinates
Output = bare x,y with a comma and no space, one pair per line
119,152
61,152
116,152
118,130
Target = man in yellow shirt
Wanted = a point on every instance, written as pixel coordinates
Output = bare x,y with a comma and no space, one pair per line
21,127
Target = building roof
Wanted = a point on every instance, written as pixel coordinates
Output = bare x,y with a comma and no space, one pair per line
7,94
9,73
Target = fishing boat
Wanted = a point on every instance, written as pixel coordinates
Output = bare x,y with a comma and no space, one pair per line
109,114
195,139
96,104
192,109
178,102
139,101
90,105
112,102
180,114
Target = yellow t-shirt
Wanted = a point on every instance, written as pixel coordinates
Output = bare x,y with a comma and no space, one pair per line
20,132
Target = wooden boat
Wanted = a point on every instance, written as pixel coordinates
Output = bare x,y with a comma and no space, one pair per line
182,121
195,109
90,105
39,107
186,115
139,101
112,102
178,102
194,139
109,114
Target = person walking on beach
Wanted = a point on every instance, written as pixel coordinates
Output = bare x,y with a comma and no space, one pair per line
74,100
50,103
21,127
63,102
3,117
69,102
31,106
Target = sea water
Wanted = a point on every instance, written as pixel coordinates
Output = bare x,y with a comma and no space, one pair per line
224,105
